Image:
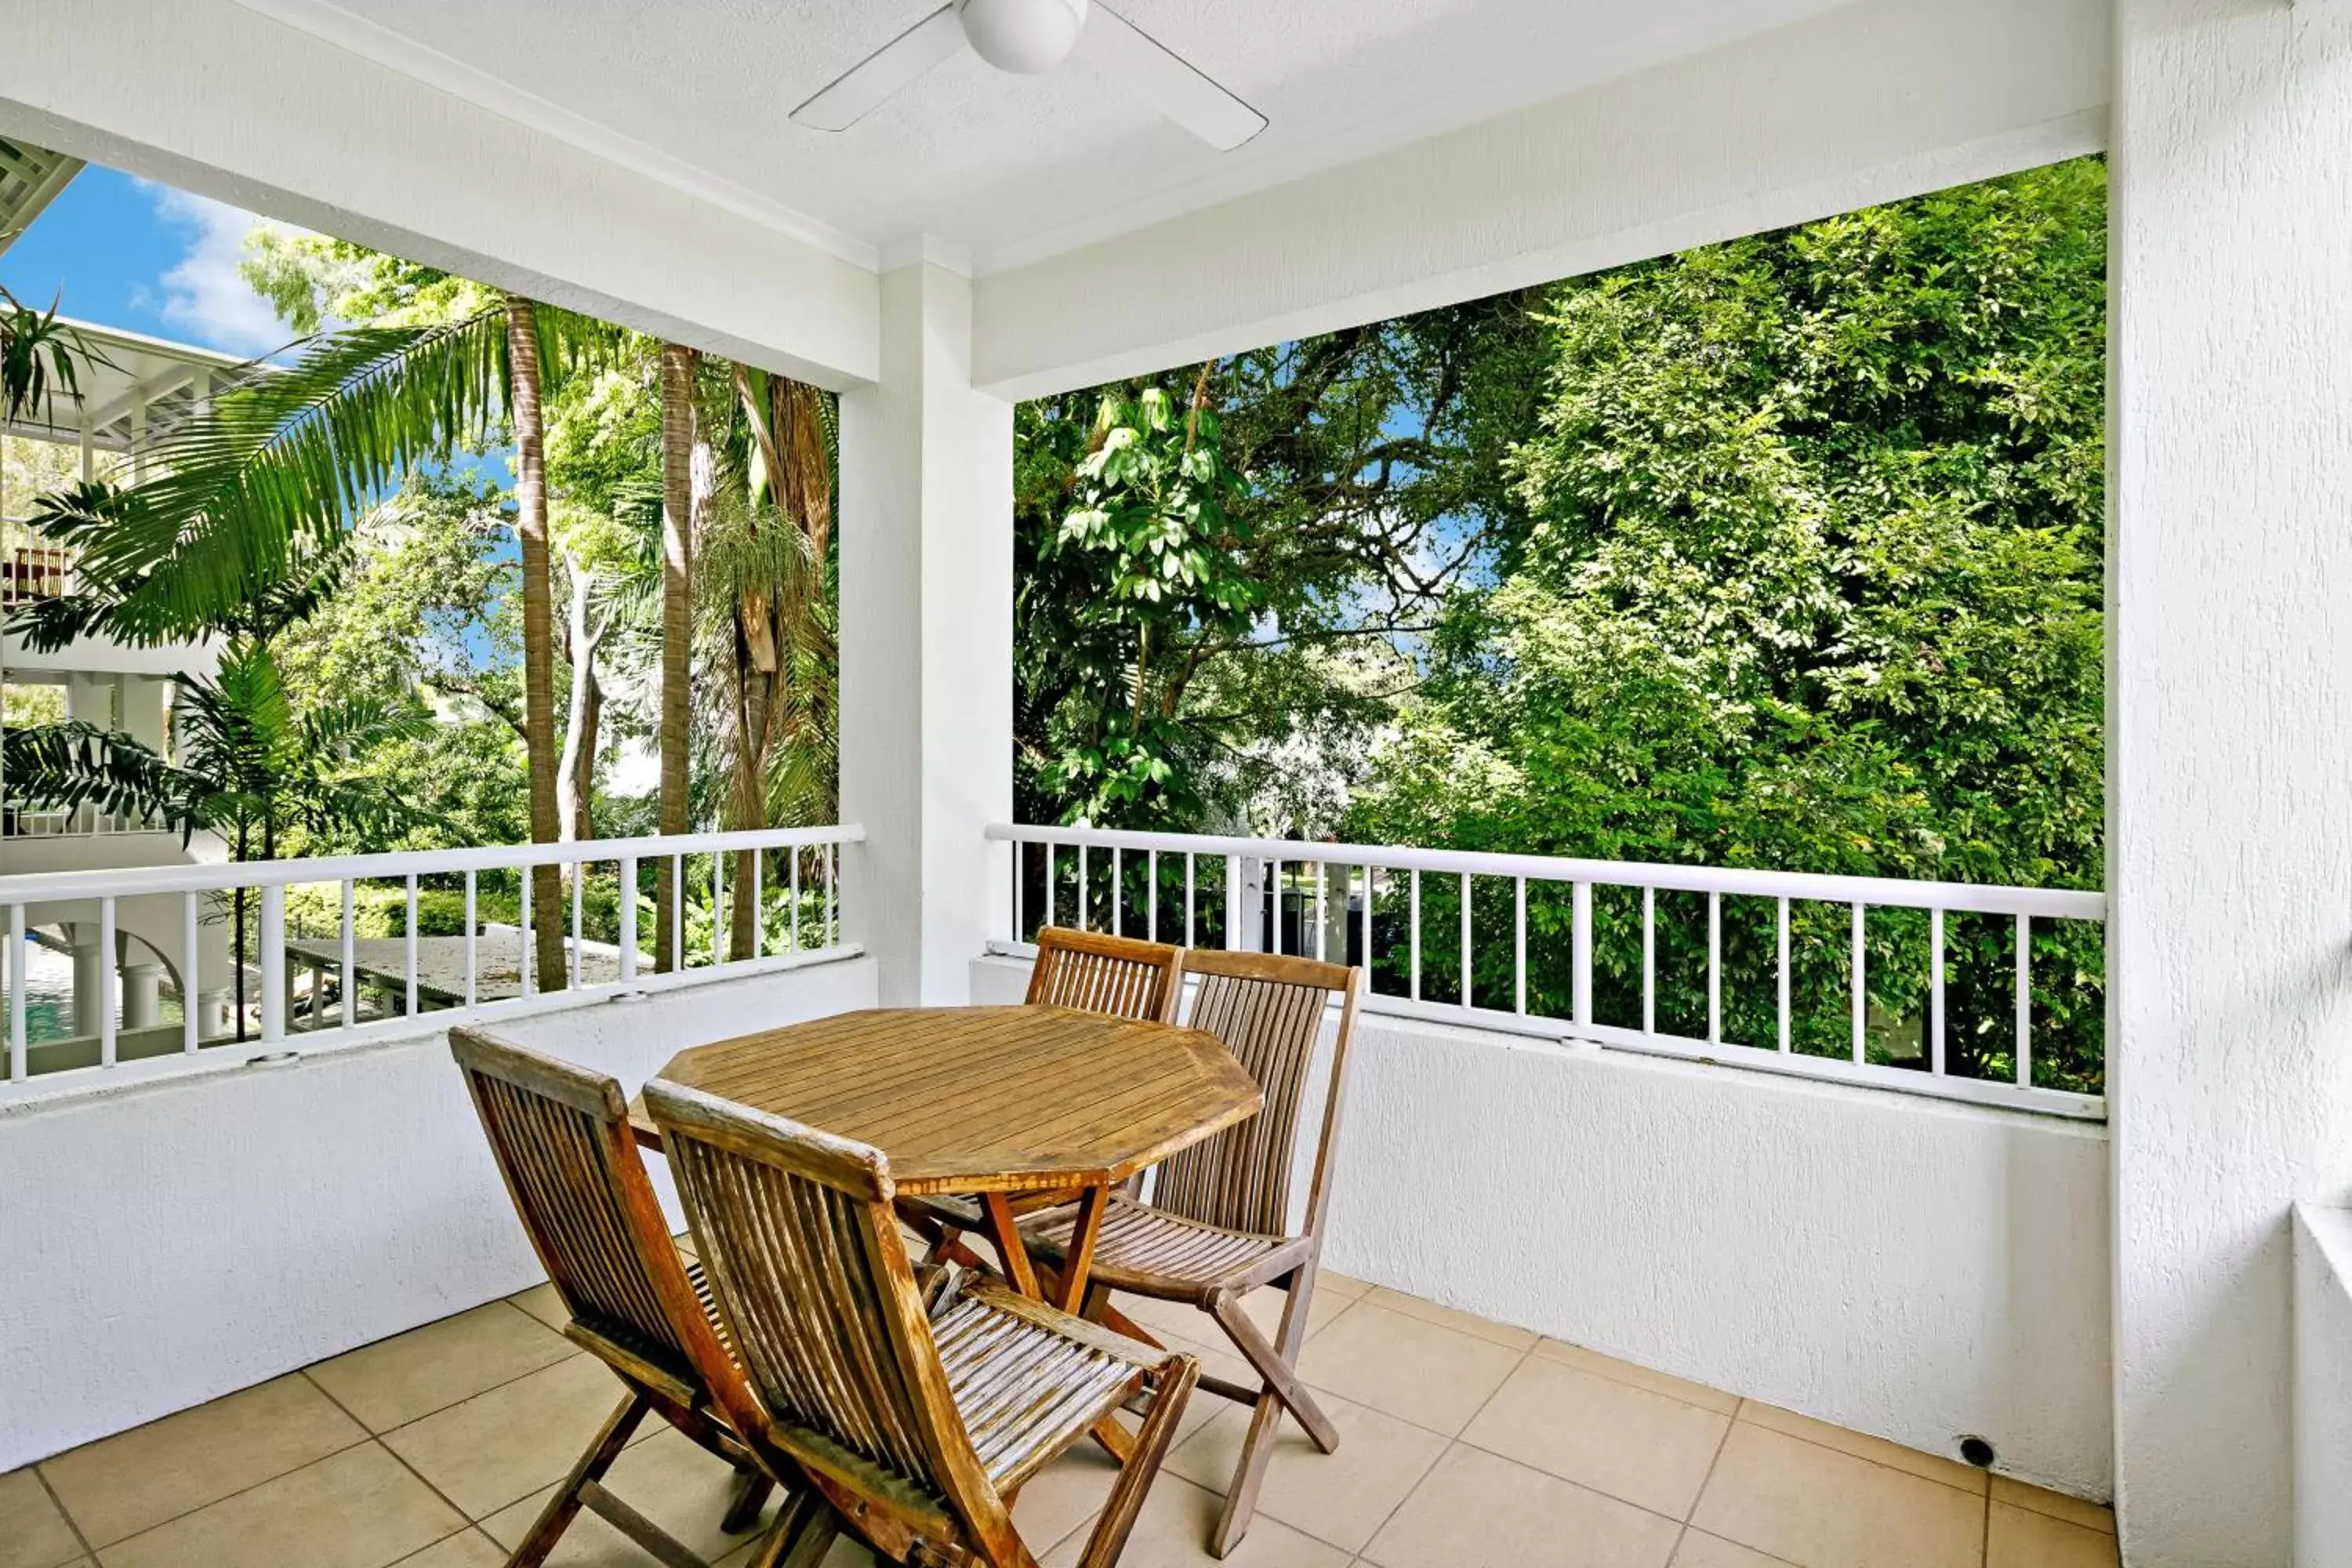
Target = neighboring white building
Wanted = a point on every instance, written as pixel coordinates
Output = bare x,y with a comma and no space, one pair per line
132,390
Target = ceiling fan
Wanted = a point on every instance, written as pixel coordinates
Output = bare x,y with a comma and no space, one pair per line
1031,36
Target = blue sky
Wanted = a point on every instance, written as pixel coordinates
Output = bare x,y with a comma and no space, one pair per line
129,253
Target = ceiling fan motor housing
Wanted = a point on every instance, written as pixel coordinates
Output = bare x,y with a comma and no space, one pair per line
1022,36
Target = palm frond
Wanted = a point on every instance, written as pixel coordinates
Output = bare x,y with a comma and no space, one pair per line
286,461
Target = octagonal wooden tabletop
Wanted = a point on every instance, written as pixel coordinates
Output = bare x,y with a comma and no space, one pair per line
966,1100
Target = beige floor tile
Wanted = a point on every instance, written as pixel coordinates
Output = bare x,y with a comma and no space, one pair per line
2020,1538
1700,1550
395,1381
1432,1376
357,1508
1172,1532
668,1479
542,1302
33,1534
121,1485
1673,1388
1638,1446
1878,1450
1487,1329
1341,1284
500,1446
1064,1495
1828,1509
1477,1511
1340,1497
467,1549
2074,1511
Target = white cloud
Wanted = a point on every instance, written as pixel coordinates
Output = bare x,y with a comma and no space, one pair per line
202,296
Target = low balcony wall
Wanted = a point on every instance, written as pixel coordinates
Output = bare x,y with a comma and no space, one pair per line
1908,1267
2322,1386
167,1242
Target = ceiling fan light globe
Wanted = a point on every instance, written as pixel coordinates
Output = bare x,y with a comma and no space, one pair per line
1022,36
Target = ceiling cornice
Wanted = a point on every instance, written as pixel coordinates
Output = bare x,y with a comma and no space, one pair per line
380,46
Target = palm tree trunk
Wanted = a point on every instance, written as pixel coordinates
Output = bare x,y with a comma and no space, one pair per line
576,775
678,369
538,632
753,715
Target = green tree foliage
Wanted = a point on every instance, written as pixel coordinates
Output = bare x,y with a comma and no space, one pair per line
1212,573
1809,578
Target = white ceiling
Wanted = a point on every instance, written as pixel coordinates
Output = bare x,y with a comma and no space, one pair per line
999,168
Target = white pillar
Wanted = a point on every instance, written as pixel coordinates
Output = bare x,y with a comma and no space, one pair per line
142,711
90,961
2230,716
925,643
143,1002
89,699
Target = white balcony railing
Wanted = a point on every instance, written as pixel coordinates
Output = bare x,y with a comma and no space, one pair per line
793,874
1346,901
71,822
30,566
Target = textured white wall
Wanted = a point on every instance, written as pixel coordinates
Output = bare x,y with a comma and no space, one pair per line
926,642
165,1244
217,99
2230,717
1901,1267
1865,103
2322,1386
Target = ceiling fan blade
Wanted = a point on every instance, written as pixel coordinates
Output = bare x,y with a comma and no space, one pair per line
861,89
1165,80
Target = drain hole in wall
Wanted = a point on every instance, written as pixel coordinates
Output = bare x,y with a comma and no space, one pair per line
273,1058
1976,1451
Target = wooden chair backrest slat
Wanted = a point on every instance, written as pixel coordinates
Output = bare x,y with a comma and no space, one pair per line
560,1135
797,1236
1096,973
1270,1012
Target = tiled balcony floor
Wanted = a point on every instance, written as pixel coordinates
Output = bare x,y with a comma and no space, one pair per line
1466,1444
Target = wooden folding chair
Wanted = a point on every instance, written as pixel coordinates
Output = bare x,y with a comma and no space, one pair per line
1117,975
1218,1223
917,1425
560,1135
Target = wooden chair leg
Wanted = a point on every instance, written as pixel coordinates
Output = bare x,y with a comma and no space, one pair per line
792,1520
1142,1467
1266,1418
1249,1477
813,1539
751,1489
565,1505
1278,1365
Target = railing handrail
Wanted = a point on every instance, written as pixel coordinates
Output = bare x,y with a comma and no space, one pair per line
57,887
1805,887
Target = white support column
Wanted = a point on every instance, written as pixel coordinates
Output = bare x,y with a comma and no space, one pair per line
2230,714
142,709
925,643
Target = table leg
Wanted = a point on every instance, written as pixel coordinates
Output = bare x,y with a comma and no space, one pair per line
1080,1260
1005,1230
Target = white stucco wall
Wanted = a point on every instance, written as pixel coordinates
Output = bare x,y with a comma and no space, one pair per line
2322,1386
170,1242
1901,1267
2229,710
1865,103
215,98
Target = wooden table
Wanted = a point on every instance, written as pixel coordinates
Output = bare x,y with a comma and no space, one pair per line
989,1101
